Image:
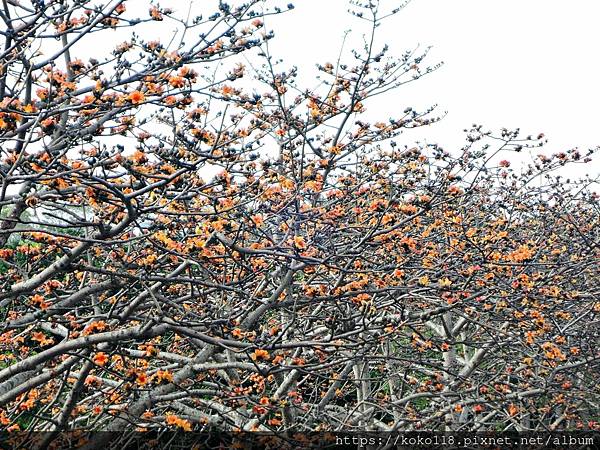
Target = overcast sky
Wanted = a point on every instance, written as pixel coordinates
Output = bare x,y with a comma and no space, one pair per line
532,64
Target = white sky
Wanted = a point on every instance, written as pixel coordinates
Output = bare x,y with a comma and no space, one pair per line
531,64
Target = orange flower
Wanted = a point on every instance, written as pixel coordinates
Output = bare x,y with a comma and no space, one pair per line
455,190
358,107
260,354
258,220
155,13
38,300
237,333
361,299
139,157
164,375
100,358
444,282
171,419
522,253
287,184
408,209
38,336
6,253
48,124
177,82
184,425
377,205
299,242
42,93
186,72
424,280
94,326
41,338
141,378
136,97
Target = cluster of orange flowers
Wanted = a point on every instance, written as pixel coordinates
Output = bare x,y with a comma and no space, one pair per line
522,253
260,354
93,327
173,420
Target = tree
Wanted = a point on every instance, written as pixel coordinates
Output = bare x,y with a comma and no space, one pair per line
326,278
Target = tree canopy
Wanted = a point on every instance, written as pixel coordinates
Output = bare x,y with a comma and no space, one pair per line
189,239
